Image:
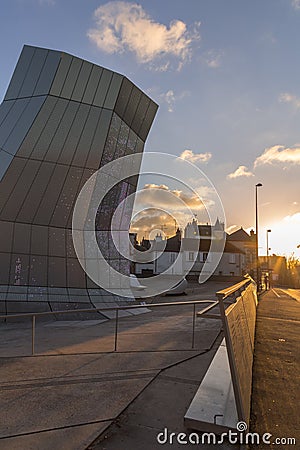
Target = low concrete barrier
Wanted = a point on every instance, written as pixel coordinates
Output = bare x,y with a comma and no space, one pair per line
224,397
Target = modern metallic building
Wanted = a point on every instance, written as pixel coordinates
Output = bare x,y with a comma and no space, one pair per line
62,119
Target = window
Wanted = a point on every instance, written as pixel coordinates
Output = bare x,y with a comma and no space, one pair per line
191,256
231,258
172,257
232,274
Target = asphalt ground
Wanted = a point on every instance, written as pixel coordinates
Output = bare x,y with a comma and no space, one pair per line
276,370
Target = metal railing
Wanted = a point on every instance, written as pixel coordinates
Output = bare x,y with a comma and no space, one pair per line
235,290
36,315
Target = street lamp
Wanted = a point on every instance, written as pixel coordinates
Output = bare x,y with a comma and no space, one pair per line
256,239
268,267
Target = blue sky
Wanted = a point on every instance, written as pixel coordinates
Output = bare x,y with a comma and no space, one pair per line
226,75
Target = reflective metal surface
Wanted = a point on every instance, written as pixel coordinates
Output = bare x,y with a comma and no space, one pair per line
61,120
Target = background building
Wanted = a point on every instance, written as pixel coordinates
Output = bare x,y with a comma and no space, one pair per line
62,118
245,242
182,256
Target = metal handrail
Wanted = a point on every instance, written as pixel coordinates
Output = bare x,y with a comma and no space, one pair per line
115,308
224,293
110,308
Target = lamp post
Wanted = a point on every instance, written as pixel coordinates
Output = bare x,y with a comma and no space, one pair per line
268,266
256,237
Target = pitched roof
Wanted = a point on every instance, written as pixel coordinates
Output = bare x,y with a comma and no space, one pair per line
239,235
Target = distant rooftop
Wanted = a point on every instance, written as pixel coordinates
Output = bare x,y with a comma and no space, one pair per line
240,235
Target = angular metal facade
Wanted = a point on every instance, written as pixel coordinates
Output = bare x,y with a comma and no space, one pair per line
61,120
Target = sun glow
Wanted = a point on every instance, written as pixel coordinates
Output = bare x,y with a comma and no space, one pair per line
284,237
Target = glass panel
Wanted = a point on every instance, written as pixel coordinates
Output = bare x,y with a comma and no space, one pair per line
4,268
111,141
87,136
123,97
5,160
34,72
82,80
5,108
11,119
140,113
48,73
62,134
122,141
149,117
21,238
113,91
87,173
67,197
19,270
23,124
97,146
131,142
132,105
75,274
57,242
71,78
6,234
75,131
50,198
38,271
20,72
58,82
37,127
36,193
139,146
39,240
56,272
102,87
10,178
70,247
92,85
19,193
49,130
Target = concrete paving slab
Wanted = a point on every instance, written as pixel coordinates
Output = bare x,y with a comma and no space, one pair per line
66,403
74,384
161,406
75,438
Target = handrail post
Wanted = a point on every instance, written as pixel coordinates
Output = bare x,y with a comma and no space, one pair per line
194,320
116,329
33,335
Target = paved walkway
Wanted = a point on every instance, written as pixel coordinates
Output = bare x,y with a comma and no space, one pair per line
73,397
276,370
76,386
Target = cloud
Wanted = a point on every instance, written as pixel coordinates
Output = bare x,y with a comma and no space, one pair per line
123,26
152,194
286,97
279,154
159,207
213,59
170,98
241,171
296,4
153,219
189,155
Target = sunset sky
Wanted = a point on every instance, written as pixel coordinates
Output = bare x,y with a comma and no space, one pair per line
226,76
